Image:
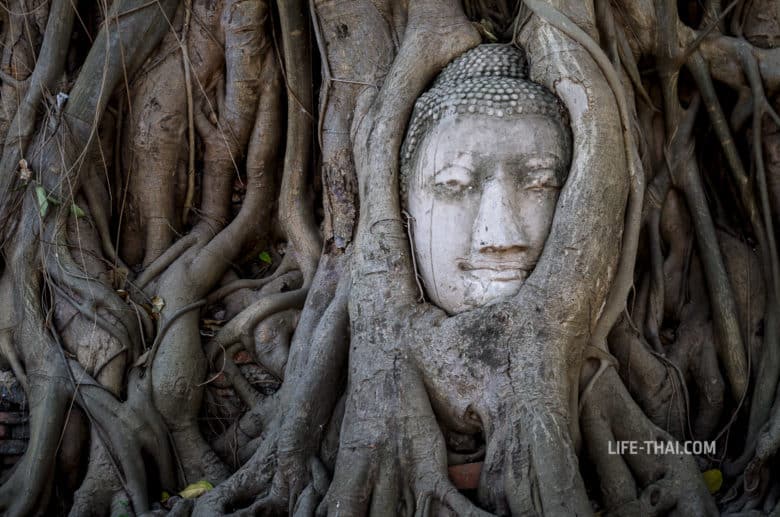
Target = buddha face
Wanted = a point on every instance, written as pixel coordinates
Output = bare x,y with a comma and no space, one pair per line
482,193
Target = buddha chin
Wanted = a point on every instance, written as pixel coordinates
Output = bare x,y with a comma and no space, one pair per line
492,286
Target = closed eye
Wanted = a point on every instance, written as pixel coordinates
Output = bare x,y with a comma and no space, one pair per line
453,179
541,179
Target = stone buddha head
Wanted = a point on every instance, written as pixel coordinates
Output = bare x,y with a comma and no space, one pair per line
485,156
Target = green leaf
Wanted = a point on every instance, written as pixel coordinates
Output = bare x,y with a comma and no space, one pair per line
265,257
43,200
76,210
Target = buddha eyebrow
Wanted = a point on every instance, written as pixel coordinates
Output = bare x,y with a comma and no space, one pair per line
520,158
542,158
450,166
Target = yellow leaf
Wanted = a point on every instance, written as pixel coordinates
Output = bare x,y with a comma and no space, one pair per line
165,496
157,304
196,489
713,478
485,27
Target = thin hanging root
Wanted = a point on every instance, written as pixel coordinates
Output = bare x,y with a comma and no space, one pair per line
97,210
605,361
296,218
624,50
245,321
764,393
770,365
700,71
729,343
148,358
762,107
162,262
91,314
64,271
655,313
248,394
287,265
185,56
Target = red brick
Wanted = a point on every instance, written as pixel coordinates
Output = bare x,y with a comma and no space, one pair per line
466,476
11,460
12,417
242,358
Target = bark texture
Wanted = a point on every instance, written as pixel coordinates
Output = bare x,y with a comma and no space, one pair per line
208,297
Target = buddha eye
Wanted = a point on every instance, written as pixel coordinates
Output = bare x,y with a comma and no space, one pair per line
541,180
453,180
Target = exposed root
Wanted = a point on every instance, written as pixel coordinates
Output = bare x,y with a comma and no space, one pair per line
663,484
27,490
395,462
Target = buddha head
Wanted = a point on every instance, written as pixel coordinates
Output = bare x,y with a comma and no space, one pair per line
485,156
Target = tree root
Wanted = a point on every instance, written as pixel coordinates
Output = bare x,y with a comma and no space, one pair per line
663,484
27,490
394,464
288,444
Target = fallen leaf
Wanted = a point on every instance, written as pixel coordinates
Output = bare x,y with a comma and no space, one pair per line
196,489
24,171
157,304
43,200
713,478
142,359
76,210
485,27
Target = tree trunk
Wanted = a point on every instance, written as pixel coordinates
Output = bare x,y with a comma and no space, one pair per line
211,303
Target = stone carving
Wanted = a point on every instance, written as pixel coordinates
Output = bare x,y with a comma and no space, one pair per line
485,156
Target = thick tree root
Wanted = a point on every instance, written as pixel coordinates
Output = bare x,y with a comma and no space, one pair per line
27,490
392,460
644,483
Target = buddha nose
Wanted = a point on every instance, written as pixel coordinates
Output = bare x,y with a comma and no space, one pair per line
497,228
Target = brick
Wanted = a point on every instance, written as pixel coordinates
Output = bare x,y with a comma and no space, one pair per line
466,476
11,460
12,417
242,358
12,447
11,392
20,432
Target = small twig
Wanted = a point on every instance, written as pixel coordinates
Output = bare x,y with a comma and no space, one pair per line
410,232
166,259
136,8
185,54
327,78
166,326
